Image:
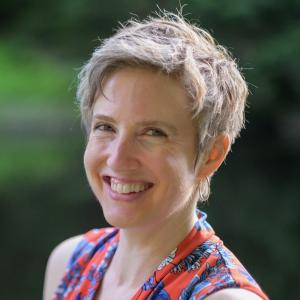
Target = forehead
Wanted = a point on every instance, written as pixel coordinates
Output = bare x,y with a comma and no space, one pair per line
143,91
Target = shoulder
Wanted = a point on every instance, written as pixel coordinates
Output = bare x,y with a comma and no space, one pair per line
57,264
66,254
222,272
233,294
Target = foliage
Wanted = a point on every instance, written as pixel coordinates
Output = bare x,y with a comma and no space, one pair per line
44,194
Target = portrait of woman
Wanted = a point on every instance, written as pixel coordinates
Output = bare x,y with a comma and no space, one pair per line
162,103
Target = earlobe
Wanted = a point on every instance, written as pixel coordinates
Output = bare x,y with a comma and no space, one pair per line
215,156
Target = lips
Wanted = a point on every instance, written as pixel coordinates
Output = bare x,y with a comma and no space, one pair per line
126,186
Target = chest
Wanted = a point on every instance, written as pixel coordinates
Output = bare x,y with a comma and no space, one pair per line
113,294
108,291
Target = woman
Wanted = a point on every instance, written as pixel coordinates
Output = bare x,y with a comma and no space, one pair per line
162,104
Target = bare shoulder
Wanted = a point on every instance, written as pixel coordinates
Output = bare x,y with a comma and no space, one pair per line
57,264
233,294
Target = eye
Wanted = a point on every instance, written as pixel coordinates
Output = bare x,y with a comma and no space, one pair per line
103,127
155,132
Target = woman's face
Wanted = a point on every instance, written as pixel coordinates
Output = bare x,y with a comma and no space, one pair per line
140,154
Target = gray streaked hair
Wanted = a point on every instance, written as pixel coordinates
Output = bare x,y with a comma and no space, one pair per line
170,44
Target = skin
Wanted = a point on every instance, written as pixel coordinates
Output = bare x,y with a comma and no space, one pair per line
126,143
142,132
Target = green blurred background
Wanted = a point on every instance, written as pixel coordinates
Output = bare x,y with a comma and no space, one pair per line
44,195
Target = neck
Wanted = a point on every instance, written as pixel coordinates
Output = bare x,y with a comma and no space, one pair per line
143,249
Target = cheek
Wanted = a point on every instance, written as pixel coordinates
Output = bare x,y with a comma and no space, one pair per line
91,161
176,162
86,155
168,170
90,157
180,169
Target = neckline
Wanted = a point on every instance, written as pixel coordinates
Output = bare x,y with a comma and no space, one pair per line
200,232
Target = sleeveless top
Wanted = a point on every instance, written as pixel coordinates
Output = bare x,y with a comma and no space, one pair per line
198,267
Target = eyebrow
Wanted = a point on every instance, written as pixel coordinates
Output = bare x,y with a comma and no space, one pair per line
150,123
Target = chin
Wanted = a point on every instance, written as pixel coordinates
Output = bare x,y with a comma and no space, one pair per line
118,219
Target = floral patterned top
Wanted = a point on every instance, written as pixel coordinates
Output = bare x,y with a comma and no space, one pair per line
198,267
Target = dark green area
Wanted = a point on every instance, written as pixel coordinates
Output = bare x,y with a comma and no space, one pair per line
44,194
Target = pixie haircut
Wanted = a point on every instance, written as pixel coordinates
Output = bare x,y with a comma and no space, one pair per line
170,44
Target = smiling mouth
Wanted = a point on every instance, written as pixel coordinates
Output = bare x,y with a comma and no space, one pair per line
121,187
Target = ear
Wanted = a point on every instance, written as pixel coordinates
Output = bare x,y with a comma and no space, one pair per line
215,156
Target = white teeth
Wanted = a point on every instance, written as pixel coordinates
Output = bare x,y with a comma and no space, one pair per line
125,188
136,188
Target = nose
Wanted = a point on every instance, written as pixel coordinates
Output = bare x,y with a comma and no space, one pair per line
123,155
